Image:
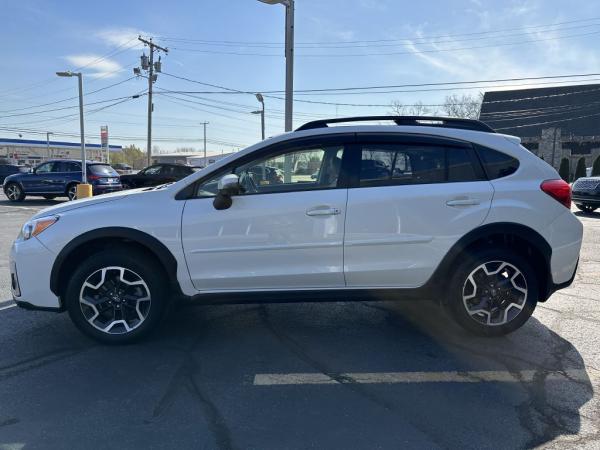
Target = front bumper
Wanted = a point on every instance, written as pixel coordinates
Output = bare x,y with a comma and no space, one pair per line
586,197
30,263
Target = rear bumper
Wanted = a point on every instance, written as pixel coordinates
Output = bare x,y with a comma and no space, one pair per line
106,188
565,237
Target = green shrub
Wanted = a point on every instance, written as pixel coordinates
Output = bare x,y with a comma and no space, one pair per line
564,170
580,169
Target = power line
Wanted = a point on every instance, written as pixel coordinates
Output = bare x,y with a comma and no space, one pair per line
478,33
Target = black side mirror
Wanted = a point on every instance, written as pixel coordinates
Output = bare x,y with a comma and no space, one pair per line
228,186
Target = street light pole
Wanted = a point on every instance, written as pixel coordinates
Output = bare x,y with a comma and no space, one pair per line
48,133
81,126
289,59
204,123
260,98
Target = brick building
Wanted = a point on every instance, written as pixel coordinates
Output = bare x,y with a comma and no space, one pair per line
553,122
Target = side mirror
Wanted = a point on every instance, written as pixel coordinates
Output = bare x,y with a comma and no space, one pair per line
228,186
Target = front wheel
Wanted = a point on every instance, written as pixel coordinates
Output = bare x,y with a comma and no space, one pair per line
116,296
14,192
587,208
493,292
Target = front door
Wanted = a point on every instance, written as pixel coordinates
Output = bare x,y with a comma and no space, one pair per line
284,231
39,181
414,198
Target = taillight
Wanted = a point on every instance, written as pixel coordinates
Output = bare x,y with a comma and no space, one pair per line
93,177
559,190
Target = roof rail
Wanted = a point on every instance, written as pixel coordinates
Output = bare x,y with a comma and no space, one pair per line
423,121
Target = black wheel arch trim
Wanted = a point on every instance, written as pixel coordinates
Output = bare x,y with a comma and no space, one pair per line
440,275
152,244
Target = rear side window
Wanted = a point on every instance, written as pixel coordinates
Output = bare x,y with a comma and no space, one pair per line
392,164
102,170
497,164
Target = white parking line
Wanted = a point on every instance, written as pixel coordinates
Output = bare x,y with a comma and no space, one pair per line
278,379
2,308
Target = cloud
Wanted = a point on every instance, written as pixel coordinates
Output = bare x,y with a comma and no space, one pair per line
95,66
122,37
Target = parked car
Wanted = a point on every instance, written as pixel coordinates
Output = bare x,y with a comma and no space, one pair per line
59,178
122,169
433,208
156,175
586,193
10,169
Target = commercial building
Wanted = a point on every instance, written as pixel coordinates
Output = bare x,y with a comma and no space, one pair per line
32,152
189,159
554,122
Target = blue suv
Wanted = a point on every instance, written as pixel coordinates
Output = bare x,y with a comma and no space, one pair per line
59,178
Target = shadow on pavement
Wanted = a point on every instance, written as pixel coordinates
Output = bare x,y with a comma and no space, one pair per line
192,382
32,202
595,214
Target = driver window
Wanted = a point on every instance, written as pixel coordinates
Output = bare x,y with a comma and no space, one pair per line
44,168
296,170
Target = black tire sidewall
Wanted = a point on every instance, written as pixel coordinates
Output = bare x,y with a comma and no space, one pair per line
21,192
140,263
68,189
466,266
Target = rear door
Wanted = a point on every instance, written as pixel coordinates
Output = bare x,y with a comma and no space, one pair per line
412,198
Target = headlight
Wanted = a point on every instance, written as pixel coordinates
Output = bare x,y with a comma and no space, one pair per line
36,226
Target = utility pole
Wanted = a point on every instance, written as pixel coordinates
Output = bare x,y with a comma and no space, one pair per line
260,98
151,67
48,133
205,161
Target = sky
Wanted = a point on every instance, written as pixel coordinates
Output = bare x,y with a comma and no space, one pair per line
238,45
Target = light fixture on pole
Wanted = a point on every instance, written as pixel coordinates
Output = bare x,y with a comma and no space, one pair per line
289,58
260,98
83,189
48,133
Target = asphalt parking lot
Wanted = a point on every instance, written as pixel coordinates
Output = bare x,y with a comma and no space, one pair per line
339,375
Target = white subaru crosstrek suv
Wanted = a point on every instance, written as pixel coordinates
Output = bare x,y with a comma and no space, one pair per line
431,208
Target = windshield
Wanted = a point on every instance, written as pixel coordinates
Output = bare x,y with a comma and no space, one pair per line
102,170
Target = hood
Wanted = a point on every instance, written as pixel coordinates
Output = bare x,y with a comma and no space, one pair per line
76,204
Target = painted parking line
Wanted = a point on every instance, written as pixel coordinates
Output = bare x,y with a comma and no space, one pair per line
12,305
503,376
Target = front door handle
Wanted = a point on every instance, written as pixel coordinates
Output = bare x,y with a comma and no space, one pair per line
323,212
463,202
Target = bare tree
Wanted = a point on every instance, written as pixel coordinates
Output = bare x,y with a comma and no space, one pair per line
417,109
465,106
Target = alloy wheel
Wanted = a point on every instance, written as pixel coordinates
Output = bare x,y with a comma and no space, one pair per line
72,192
115,300
494,293
13,192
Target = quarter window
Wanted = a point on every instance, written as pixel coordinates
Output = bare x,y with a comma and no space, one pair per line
392,164
497,164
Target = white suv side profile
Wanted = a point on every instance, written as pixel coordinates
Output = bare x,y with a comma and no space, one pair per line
427,207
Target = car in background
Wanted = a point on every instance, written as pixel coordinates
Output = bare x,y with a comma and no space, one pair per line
59,178
586,193
155,175
10,169
122,169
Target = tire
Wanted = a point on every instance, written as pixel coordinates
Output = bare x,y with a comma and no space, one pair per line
126,186
49,197
71,191
587,208
14,192
120,314
506,307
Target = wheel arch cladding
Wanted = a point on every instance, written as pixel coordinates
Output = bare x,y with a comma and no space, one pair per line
92,241
523,240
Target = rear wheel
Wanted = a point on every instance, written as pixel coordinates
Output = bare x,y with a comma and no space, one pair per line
14,192
72,191
117,296
126,186
587,208
493,292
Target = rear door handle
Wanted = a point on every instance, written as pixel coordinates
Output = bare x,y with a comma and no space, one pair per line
463,202
323,212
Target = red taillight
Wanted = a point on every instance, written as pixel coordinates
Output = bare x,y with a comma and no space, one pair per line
559,190
93,177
